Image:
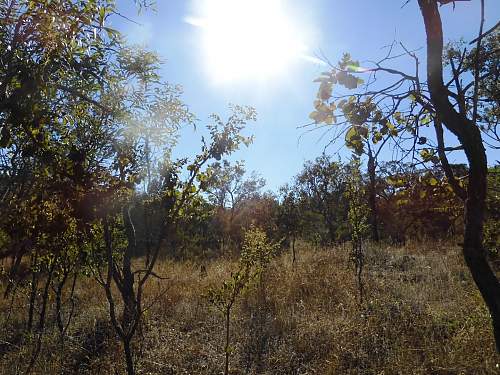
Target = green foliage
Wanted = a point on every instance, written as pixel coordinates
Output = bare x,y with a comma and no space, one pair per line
290,218
320,188
227,186
460,56
418,203
358,210
256,253
357,216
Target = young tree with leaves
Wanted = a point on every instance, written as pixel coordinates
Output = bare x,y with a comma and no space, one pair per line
256,254
357,216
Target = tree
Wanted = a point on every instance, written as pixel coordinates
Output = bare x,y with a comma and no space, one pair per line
228,189
289,215
53,125
172,195
357,217
83,121
463,124
321,186
407,106
256,253
357,135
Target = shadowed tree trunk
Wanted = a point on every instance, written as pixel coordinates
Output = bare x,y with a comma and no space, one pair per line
372,201
227,348
469,137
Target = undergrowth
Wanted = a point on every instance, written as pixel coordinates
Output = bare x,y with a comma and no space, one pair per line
421,314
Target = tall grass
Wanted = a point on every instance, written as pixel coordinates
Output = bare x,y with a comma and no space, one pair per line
422,314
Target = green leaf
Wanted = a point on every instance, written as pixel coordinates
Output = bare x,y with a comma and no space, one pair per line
433,181
102,14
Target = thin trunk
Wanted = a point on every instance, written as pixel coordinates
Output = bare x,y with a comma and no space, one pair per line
58,298
227,348
127,287
372,197
72,300
16,262
293,250
130,304
41,321
359,263
129,359
470,138
331,230
33,292
473,251
32,301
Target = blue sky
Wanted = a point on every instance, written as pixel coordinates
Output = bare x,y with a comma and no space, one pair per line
284,102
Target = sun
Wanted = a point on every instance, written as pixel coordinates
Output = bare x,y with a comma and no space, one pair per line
247,40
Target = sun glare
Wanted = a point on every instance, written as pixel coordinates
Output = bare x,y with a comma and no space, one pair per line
246,40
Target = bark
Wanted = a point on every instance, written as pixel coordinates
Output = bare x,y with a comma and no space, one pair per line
58,299
131,307
372,198
41,322
331,229
124,281
228,337
32,300
128,357
469,137
33,293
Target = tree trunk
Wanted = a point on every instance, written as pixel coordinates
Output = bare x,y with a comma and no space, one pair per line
41,321
473,251
130,313
293,250
372,197
227,349
331,230
469,137
128,357
58,290
32,301
33,291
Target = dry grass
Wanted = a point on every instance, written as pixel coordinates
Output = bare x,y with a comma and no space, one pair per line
422,315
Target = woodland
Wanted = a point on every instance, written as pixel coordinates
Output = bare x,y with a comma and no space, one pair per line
118,258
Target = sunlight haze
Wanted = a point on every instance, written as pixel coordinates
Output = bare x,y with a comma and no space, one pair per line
243,41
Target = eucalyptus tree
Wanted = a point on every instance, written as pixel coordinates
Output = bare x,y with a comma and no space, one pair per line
459,98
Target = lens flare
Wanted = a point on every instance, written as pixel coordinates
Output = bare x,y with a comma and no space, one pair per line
247,39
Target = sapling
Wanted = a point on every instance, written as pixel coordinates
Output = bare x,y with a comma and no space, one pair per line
256,254
358,220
